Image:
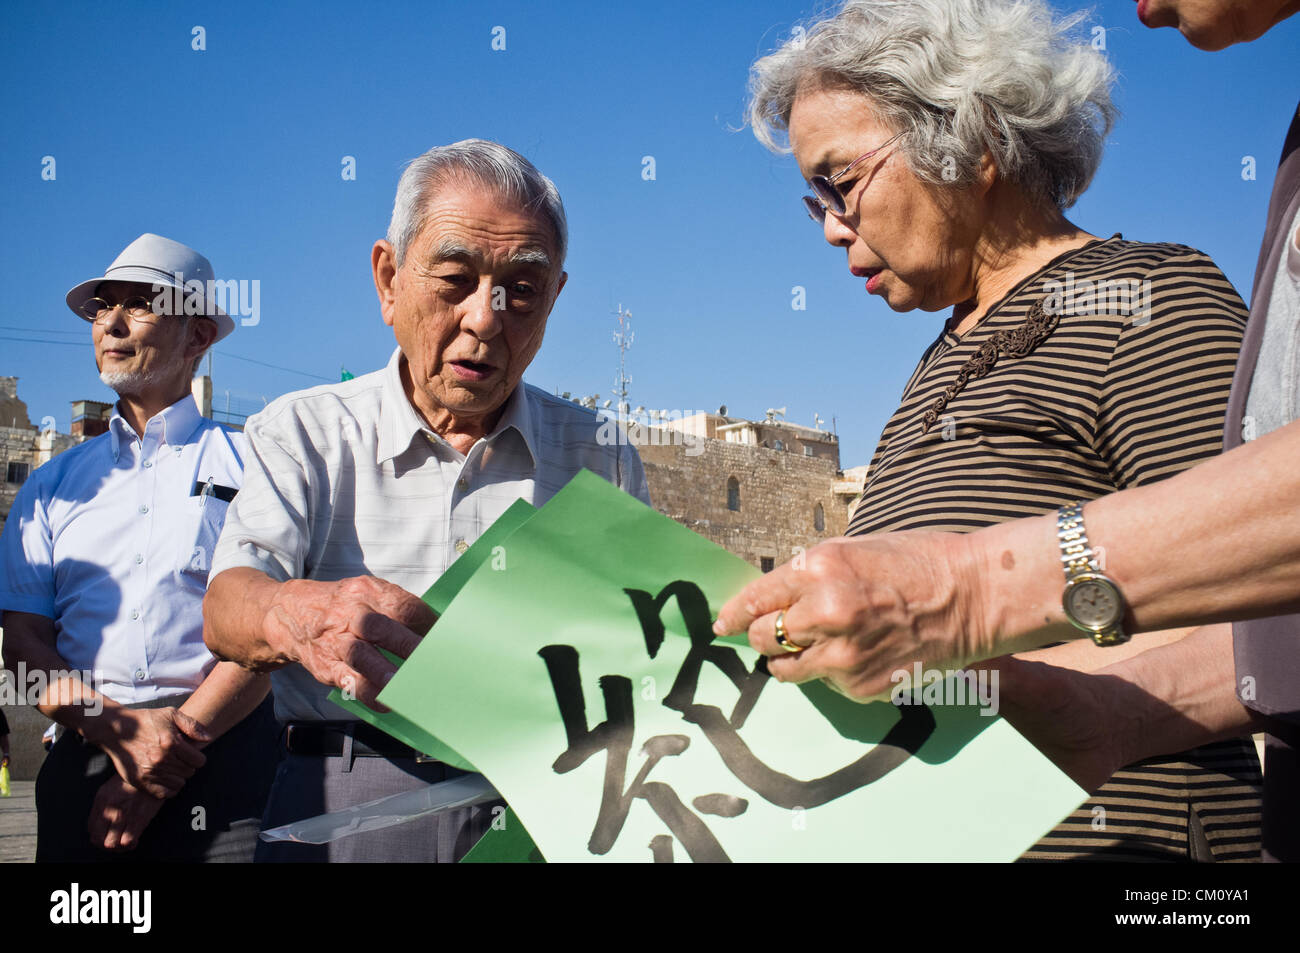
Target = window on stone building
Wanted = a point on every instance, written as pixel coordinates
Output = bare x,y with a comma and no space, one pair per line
17,472
819,518
778,445
767,563
733,494
807,451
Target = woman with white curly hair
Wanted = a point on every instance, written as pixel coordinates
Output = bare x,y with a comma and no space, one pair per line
942,141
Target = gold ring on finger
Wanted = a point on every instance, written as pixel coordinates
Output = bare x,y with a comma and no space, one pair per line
783,637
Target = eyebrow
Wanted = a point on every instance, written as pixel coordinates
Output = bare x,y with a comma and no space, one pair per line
450,250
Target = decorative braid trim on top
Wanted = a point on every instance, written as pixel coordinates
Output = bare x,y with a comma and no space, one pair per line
1014,342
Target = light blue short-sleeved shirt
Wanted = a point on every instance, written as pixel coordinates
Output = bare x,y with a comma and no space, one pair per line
347,480
110,541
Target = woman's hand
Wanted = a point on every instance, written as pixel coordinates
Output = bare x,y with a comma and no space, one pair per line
867,608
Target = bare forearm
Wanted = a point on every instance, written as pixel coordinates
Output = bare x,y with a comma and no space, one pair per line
66,699
1190,687
234,614
226,697
1082,655
1218,542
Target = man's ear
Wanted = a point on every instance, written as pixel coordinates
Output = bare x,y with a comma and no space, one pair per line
564,276
383,265
202,332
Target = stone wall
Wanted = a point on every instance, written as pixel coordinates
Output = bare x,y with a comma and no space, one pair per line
17,445
13,412
779,494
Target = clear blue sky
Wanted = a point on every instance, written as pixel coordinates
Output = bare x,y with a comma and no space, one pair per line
237,151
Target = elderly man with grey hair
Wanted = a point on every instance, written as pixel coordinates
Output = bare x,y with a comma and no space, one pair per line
103,565
359,495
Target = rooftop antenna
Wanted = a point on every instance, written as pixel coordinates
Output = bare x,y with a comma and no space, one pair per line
623,338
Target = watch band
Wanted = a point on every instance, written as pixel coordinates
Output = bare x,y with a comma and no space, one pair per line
1085,580
1076,552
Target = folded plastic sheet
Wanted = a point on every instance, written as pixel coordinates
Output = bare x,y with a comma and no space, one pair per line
387,811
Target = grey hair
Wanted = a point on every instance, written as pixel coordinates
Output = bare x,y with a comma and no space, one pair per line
956,78
485,163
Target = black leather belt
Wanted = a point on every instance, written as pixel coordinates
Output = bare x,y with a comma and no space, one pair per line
326,739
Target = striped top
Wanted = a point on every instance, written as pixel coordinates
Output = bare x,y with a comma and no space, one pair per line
1122,392
1108,368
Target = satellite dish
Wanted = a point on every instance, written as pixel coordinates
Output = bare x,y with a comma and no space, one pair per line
722,411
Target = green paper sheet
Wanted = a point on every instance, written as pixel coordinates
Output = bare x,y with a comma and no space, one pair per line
508,844
727,764
439,598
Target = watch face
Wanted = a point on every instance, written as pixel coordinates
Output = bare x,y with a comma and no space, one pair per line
1093,602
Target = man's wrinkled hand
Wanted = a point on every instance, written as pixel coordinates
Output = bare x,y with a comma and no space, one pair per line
336,629
154,749
864,608
120,814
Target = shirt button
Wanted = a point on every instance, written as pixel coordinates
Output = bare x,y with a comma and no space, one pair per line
143,508
139,675
148,464
461,545
139,558
462,484
135,613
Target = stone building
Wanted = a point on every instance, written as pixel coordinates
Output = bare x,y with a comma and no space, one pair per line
24,446
762,490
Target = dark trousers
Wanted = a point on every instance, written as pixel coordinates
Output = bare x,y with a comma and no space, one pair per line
214,818
308,785
1281,833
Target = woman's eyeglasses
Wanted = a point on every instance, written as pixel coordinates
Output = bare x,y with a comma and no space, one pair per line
826,195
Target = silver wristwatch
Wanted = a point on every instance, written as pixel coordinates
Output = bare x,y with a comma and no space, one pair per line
1092,601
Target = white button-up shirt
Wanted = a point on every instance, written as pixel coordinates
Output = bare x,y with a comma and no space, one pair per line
110,541
347,480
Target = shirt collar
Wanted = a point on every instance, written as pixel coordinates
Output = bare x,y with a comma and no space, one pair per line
400,423
177,423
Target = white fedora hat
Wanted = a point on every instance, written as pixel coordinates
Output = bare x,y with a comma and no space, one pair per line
160,262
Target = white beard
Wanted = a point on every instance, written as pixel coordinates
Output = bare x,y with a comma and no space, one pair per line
130,383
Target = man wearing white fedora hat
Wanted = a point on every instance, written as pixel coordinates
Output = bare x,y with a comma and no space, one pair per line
103,566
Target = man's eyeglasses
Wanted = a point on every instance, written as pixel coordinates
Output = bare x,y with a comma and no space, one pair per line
826,195
137,307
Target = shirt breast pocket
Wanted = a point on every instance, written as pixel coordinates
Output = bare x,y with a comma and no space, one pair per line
199,531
